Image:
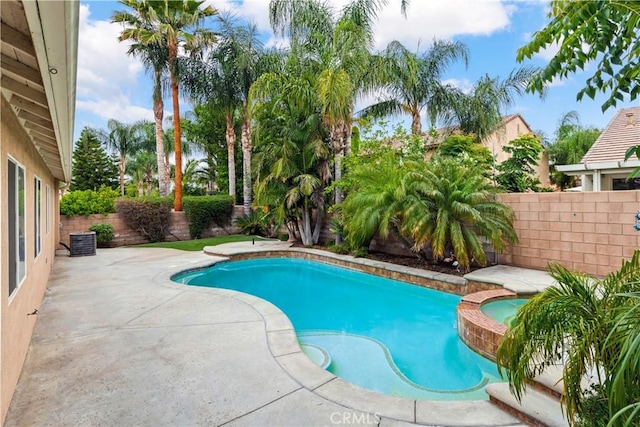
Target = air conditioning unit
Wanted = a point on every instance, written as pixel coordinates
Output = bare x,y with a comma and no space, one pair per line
82,244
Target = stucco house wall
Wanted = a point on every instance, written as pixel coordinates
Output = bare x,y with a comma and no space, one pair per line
514,127
17,326
38,67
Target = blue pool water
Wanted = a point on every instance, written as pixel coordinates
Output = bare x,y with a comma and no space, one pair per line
504,310
381,334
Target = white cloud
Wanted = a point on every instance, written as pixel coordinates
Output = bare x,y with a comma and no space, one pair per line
464,85
122,112
425,19
441,19
107,76
548,52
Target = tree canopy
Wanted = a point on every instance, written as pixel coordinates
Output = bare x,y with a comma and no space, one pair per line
587,31
92,167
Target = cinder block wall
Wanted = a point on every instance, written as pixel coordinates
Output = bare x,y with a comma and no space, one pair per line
126,236
591,232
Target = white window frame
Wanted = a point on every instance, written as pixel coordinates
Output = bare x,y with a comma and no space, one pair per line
47,200
37,215
16,244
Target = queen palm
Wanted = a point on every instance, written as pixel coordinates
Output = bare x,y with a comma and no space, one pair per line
142,169
178,24
242,47
154,56
214,82
126,140
480,111
572,141
593,324
337,49
412,81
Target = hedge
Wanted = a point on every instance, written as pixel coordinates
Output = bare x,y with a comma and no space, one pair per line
202,211
89,202
151,216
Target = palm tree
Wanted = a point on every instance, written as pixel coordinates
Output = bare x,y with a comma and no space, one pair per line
291,165
337,48
154,56
142,169
625,335
214,83
442,205
242,46
590,323
125,140
450,208
412,81
572,141
178,24
480,112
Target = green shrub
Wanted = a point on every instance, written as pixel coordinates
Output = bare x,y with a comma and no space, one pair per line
341,249
89,202
151,216
254,223
104,234
202,211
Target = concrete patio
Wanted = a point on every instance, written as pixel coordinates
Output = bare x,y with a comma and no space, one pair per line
117,343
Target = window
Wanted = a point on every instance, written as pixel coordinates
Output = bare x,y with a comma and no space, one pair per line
47,201
37,217
625,184
17,224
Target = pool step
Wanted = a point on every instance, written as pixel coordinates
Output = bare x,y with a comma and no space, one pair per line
536,408
550,381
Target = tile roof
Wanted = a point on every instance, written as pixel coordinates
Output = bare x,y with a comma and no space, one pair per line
622,132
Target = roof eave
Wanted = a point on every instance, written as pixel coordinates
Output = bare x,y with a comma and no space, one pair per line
49,23
583,168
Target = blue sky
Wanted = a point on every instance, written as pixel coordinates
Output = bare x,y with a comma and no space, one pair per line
113,85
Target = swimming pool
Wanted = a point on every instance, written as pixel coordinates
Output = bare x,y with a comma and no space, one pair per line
503,311
381,334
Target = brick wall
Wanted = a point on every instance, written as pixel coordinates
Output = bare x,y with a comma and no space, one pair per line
125,236
589,232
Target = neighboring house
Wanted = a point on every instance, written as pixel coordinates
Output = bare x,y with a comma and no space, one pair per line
513,126
603,167
38,68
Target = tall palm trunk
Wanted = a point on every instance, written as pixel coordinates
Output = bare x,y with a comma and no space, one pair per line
336,134
121,169
231,154
416,124
163,176
246,163
173,53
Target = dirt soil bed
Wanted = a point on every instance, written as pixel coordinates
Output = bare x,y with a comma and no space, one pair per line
414,262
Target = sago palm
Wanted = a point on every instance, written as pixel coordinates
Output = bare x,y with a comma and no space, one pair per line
451,207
